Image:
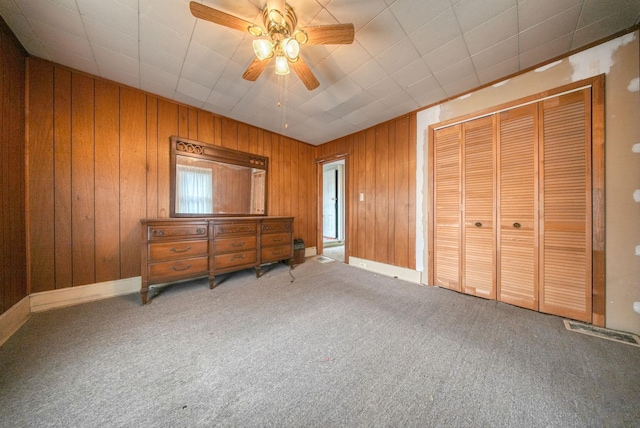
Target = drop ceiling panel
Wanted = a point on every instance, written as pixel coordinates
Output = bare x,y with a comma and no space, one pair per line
407,53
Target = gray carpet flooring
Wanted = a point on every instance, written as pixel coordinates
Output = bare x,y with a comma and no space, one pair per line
337,347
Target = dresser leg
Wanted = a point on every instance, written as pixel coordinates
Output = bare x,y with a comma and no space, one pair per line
257,271
144,292
211,282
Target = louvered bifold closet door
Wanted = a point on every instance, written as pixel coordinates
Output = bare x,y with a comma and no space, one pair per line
565,197
517,234
446,188
478,253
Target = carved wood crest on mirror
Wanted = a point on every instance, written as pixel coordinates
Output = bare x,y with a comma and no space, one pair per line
209,181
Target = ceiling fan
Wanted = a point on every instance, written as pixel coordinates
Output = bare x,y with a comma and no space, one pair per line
279,38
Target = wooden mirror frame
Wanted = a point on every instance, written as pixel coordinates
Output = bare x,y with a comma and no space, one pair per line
198,150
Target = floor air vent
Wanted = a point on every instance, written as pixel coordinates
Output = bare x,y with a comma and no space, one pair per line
324,259
603,333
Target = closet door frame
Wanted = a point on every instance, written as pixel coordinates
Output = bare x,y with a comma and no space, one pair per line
597,86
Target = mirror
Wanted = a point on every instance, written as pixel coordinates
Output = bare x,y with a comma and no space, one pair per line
214,181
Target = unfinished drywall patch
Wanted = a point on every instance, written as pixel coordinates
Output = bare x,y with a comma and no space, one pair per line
636,148
636,307
636,195
599,59
634,85
548,66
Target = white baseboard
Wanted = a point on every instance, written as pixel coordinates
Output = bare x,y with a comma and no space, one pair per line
405,274
82,294
310,251
12,319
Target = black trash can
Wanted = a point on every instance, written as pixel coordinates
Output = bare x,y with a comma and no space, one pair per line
298,251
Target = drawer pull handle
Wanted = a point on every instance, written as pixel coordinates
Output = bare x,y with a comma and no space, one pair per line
478,224
238,256
180,269
241,244
276,239
276,253
200,230
173,250
517,225
157,232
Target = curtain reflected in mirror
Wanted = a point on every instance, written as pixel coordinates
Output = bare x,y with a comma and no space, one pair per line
206,187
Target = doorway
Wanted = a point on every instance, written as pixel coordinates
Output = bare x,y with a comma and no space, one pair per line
332,208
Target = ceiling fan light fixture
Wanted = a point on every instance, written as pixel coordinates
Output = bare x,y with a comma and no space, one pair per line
263,48
255,30
282,65
300,36
291,48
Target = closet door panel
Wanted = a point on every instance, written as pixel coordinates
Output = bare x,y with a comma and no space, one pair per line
478,270
517,234
566,206
446,187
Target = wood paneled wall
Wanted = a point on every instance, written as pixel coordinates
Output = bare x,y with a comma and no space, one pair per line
13,264
382,166
99,162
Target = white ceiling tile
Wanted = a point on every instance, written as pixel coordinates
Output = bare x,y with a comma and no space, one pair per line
55,38
551,29
108,58
471,13
220,103
234,88
153,33
533,12
412,73
600,29
193,89
117,75
23,31
315,54
186,99
381,33
496,54
347,58
596,10
398,56
160,77
499,71
368,74
356,117
435,33
54,15
545,52
160,59
493,31
383,88
412,14
305,10
351,11
201,76
459,72
66,57
132,4
110,38
216,37
112,14
344,89
451,53
172,14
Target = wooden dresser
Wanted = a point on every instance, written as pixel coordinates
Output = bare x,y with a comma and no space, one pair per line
176,249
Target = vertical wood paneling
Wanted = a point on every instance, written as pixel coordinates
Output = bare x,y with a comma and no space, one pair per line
83,179
116,166
107,190
62,177
167,127
370,194
402,197
361,223
40,149
152,156
133,187
13,256
381,185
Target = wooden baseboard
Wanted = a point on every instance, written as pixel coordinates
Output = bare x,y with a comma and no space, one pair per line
12,319
82,294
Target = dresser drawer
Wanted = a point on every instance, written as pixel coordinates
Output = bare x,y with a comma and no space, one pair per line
276,226
179,268
224,261
166,232
175,250
230,229
276,239
270,254
225,245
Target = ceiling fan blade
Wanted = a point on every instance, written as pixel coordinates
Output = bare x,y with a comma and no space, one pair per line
218,17
338,34
304,73
255,69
